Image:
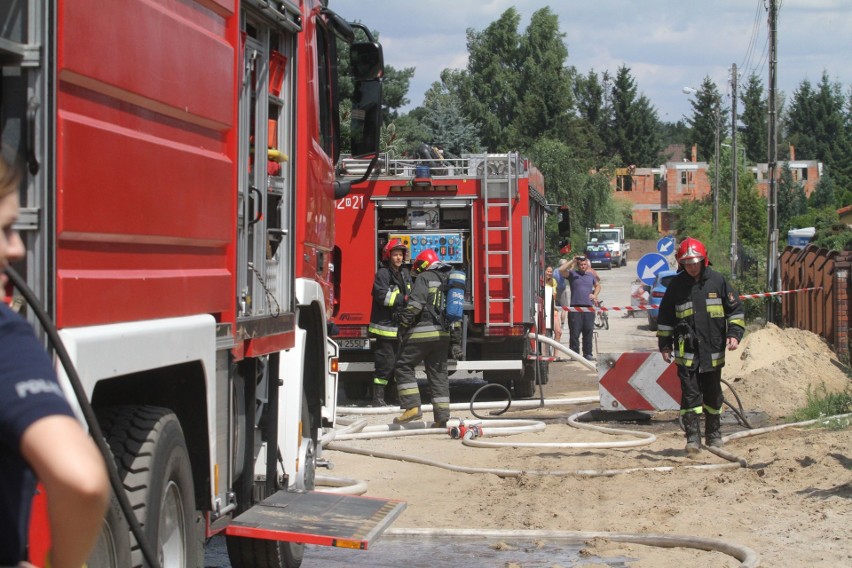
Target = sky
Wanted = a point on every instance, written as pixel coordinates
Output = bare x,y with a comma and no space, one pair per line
667,44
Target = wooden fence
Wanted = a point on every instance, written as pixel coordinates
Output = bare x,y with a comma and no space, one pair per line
825,312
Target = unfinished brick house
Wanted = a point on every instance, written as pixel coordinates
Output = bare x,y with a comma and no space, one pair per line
654,191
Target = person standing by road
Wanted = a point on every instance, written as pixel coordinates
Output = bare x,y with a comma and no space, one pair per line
391,287
40,439
585,287
562,297
700,316
425,339
551,288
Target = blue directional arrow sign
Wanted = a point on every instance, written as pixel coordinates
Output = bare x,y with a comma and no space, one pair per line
666,245
649,265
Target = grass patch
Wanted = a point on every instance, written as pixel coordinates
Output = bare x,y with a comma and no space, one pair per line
823,404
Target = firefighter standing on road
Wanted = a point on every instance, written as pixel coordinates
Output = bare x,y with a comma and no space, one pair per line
391,288
424,338
700,316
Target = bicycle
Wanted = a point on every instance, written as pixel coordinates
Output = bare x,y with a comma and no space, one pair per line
601,317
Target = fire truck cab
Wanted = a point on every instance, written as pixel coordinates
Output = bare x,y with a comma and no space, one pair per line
481,213
178,211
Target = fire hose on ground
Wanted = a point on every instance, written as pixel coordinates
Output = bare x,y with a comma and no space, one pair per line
473,431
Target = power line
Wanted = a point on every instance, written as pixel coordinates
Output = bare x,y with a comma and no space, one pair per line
752,42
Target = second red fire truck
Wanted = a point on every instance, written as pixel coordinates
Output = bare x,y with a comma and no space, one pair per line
482,213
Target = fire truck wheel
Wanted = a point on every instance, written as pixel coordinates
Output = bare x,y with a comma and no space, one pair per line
254,553
153,463
525,386
112,549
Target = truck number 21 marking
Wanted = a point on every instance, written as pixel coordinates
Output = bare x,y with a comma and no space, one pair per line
351,202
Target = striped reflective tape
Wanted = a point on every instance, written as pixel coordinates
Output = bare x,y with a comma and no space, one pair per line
645,307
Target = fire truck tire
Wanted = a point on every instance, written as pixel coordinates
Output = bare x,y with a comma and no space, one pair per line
112,549
356,386
525,386
153,463
254,553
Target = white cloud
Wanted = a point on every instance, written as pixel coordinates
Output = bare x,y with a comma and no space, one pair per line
667,44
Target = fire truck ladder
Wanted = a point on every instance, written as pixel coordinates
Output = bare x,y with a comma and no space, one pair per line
500,186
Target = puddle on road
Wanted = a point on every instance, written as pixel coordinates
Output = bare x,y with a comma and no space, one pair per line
442,552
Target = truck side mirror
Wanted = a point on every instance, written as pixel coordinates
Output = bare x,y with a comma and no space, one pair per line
366,61
366,117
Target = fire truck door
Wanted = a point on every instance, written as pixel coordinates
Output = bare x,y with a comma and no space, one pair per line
263,208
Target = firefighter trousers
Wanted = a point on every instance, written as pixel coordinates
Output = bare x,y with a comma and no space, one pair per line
700,389
384,356
433,355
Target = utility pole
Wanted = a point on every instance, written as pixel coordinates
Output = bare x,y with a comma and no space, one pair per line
717,119
734,172
772,209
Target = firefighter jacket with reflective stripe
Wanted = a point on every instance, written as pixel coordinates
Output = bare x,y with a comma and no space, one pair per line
696,317
423,315
390,289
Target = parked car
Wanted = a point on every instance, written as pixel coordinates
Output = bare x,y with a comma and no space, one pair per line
658,290
599,256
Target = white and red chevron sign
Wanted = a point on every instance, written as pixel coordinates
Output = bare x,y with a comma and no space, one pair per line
637,381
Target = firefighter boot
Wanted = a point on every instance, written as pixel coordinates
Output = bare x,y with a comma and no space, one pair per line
712,430
378,395
410,415
692,423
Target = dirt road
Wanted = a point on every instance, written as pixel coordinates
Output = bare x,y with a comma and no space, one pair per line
791,505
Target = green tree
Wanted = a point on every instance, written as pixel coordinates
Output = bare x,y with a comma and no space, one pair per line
825,193
707,114
404,134
791,199
569,182
592,97
818,127
395,87
754,119
634,122
489,90
444,123
672,133
545,87
751,214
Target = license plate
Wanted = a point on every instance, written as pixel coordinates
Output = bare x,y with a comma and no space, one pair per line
354,343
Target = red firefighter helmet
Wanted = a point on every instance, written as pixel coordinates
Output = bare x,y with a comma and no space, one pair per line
691,251
393,244
424,260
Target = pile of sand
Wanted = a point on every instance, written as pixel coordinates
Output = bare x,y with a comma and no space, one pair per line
773,369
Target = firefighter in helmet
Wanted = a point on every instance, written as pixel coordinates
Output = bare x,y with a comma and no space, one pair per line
424,338
391,287
700,316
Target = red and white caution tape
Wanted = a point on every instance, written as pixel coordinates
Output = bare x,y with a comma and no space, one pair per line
767,294
644,307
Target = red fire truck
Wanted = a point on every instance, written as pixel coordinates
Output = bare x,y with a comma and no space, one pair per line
482,213
178,210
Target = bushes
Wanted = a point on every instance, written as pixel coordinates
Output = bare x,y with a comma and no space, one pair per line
640,232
